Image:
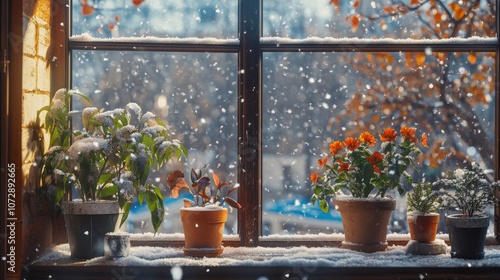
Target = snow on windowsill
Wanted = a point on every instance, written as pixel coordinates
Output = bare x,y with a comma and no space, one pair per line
86,37
368,41
394,256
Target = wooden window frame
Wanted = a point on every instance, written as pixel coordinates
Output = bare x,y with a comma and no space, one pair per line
250,51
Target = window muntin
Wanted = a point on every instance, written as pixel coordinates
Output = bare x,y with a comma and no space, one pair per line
311,99
193,93
158,18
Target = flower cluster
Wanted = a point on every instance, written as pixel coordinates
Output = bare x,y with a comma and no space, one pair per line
351,165
467,190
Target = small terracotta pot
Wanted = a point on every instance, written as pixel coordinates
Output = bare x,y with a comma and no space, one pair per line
365,223
423,228
203,230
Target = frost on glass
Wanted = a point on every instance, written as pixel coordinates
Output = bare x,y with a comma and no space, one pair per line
407,19
194,94
312,99
159,18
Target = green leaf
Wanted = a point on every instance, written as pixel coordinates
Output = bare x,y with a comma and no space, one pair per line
126,209
109,190
323,205
105,177
77,93
313,199
151,200
140,197
401,191
157,212
157,190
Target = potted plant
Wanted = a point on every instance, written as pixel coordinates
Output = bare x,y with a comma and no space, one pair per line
204,216
469,192
107,162
422,216
359,178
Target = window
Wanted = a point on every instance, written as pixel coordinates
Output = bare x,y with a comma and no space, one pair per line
257,88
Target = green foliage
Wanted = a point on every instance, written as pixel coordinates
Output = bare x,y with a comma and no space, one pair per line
423,199
467,190
111,158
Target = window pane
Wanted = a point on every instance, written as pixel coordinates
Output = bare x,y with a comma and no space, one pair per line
405,19
193,93
159,18
311,99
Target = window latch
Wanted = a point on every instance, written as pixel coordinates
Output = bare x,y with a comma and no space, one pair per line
5,61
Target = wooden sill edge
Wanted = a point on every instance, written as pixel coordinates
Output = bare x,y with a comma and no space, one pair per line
235,242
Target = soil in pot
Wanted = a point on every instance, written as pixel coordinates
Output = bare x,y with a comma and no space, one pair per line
365,222
86,225
203,230
467,236
423,228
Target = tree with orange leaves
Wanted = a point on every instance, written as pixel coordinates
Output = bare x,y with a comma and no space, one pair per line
448,93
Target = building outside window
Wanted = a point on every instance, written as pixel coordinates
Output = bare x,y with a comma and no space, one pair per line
259,94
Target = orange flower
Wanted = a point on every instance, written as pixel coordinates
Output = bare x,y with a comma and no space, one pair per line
367,138
375,158
343,166
314,177
409,133
336,147
322,162
389,135
424,140
351,143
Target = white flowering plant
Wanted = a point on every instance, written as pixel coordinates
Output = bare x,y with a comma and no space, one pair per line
467,190
111,157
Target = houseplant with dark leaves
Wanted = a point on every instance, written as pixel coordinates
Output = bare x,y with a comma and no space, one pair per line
204,216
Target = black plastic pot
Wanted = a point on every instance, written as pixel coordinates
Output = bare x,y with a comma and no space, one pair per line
467,236
86,225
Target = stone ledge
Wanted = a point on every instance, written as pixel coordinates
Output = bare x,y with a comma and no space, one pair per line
437,247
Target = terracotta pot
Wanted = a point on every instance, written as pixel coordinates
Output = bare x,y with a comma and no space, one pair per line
365,222
423,228
86,225
203,229
467,235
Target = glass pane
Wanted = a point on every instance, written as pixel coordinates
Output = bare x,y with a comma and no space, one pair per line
159,18
298,19
312,99
195,94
